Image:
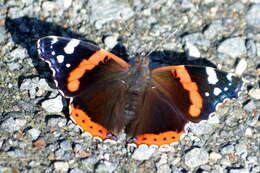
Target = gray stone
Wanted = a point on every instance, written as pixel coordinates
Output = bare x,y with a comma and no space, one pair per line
240,170
106,11
214,30
192,50
196,157
42,84
255,93
241,149
251,48
253,16
197,39
111,42
228,149
250,106
57,122
53,105
61,166
66,145
10,125
76,170
225,162
89,163
165,168
105,167
143,152
256,169
34,133
2,34
201,128
19,53
233,47
6,169
258,49
16,153
14,66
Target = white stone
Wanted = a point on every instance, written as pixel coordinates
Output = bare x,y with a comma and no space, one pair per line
143,152
53,105
241,67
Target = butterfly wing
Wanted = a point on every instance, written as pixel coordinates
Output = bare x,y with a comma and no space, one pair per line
92,78
77,64
180,94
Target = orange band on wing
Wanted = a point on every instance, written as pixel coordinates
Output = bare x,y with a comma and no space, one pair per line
90,63
84,122
159,139
195,98
190,86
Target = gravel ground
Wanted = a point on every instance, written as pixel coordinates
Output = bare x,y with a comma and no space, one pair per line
35,132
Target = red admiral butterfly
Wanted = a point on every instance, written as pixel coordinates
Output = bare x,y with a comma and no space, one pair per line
107,95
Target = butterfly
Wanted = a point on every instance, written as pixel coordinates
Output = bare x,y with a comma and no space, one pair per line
108,95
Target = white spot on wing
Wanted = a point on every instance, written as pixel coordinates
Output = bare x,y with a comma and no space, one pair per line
67,65
229,76
225,89
60,58
53,53
69,48
54,39
217,91
212,76
206,94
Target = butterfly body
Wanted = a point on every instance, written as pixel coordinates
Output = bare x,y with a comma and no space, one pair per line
152,106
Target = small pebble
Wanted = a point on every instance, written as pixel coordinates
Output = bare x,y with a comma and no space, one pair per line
53,105
105,167
196,157
201,128
240,149
241,67
66,145
249,106
89,163
10,125
61,166
19,53
215,156
255,93
192,50
233,47
248,132
56,122
228,149
239,170
34,133
213,30
2,34
110,10
253,16
14,66
251,48
143,152
76,170
110,42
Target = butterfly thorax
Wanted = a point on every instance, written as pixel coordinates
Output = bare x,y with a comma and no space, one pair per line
138,80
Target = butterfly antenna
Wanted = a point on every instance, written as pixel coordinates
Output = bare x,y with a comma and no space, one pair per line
162,42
